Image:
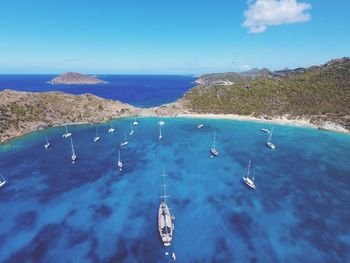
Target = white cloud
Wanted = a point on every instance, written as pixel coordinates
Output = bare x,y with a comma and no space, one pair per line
245,67
264,13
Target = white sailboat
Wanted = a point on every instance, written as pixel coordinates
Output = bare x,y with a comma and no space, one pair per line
265,130
125,142
165,220
135,123
269,143
160,132
246,177
120,163
200,126
66,134
47,143
97,137
74,156
213,150
2,181
161,122
131,129
111,129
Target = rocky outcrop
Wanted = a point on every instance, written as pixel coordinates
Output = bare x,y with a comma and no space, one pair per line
74,78
23,112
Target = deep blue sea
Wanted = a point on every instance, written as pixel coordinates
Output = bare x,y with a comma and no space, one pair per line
138,90
56,211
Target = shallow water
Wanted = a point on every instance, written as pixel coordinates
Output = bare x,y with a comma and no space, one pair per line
56,211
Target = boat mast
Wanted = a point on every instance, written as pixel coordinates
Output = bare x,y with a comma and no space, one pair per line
214,139
270,135
248,169
160,131
71,143
164,196
119,156
66,128
124,136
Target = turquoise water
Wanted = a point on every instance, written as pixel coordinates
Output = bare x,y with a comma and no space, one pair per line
56,211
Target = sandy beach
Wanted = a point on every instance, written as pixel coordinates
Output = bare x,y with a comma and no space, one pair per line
280,121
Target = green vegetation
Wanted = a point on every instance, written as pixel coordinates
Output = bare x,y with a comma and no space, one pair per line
319,93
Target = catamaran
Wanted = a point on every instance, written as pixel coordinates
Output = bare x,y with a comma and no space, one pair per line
131,129
120,164
269,143
265,130
246,177
125,142
74,156
165,220
111,130
2,181
66,134
160,132
135,123
213,150
47,144
96,137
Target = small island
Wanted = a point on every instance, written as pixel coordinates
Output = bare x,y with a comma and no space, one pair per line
75,78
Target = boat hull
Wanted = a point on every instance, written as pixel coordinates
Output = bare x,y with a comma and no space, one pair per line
165,224
214,152
249,182
271,145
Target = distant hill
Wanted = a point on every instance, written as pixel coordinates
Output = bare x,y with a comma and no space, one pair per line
319,93
74,78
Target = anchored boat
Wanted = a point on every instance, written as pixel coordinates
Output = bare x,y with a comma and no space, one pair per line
125,142
246,177
269,143
66,134
165,220
47,143
213,150
2,181
74,156
97,137
120,163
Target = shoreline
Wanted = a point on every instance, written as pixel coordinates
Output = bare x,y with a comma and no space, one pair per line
328,126
331,127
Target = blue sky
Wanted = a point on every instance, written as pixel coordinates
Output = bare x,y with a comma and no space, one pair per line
170,36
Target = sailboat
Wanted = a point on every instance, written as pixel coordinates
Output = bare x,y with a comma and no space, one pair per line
165,220
160,132
74,156
200,126
269,143
96,137
246,177
132,129
66,134
47,144
2,181
161,122
265,130
125,142
120,164
213,150
111,130
135,123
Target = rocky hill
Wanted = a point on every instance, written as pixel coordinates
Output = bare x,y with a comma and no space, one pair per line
23,112
319,93
74,78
